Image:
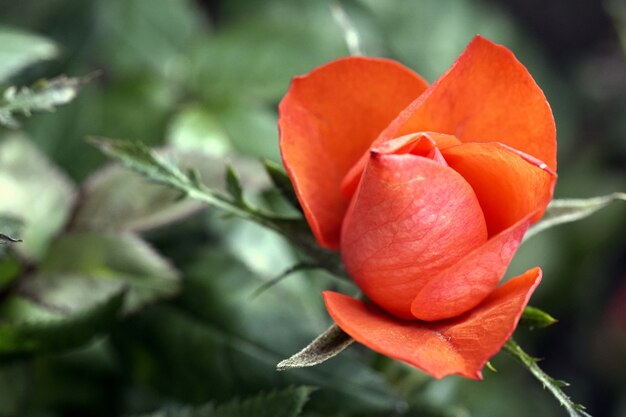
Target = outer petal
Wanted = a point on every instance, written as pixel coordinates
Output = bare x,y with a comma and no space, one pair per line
486,96
509,184
328,119
458,346
410,219
468,282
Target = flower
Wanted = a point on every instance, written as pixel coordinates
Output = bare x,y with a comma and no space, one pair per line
426,191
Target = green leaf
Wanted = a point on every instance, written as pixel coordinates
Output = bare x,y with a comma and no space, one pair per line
139,37
282,182
33,190
569,210
551,384
233,339
19,50
195,128
45,95
111,262
233,185
534,317
149,163
327,345
29,325
287,402
115,198
158,168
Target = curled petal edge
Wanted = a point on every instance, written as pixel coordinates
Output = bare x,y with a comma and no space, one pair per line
458,346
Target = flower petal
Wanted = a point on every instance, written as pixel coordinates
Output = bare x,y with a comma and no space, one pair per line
509,184
486,96
410,219
459,346
328,119
468,282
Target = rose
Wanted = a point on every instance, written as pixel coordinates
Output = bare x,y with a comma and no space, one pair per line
427,192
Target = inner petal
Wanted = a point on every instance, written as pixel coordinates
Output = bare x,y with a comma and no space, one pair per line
410,218
427,144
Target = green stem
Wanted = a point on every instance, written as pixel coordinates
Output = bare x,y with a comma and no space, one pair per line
553,385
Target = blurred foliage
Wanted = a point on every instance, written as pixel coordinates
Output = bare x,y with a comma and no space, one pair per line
124,299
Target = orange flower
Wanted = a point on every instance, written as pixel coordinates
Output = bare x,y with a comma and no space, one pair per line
427,192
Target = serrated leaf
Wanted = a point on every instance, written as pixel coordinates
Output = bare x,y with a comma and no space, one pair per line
29,326
155,167
107,262
45,95
569,210
551,384
287,402
534,317
327,345
282,182
33,190
115,198
19,49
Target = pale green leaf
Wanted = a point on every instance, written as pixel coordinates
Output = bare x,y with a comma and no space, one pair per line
33,190
45,95
19,50
115,198
569,210
29,325
195,128
108,262
160,169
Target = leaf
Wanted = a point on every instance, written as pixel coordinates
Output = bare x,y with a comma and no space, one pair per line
115,198
158,168
29,327
327,345
569,210
34,191
551,384
236,342
233,185
110,262
534,317
195,128
282,182
140,37
19,50
287,402
226,67
149,163
45,95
